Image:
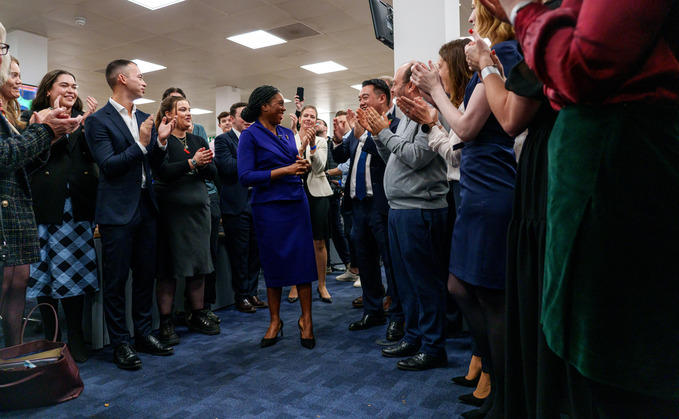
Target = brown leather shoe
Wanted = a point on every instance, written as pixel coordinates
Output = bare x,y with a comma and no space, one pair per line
358,302
244,306
256,302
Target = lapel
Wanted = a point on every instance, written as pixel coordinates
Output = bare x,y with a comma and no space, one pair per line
118,122
73,138
284,144
233,140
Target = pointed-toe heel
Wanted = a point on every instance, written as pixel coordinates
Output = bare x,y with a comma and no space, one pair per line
307,343
266,342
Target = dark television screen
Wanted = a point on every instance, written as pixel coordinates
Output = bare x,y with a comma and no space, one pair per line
383,22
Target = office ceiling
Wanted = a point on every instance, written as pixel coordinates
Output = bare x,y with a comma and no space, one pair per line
189,38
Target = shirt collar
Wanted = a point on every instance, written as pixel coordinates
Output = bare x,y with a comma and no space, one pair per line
235,131
120,108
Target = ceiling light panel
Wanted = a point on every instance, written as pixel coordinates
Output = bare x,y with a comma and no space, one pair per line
142,101
155,4
357,86
147,67
257,39
198,111
324,67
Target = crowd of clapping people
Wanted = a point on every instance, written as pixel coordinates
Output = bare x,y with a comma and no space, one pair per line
558,258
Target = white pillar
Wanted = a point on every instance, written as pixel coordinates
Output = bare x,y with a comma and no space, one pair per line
422,26
31,51
225,96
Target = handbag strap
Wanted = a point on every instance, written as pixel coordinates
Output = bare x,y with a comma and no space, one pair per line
23,380
56,321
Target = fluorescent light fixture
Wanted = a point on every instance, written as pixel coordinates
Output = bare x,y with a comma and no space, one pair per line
286,100
357,86
321,110
142,101
324,67
155,4
147,67
198,111
257,39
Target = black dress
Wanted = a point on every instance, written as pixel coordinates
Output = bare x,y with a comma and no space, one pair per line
534,379
184,205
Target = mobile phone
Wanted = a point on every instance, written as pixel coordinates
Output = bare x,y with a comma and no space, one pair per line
300,94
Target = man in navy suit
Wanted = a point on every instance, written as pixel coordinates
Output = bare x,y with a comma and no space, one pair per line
364,194
126,146
241,243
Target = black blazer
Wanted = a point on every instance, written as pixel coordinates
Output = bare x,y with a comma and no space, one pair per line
348,149
233,197
70,163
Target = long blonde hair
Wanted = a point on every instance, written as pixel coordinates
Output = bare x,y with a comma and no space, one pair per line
11,106
489,27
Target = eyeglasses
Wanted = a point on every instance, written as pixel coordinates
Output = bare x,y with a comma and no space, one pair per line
4,48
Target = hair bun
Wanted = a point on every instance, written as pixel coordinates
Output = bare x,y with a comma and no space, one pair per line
248,115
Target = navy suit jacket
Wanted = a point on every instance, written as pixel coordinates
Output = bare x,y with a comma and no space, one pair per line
260,152
347,150
120,161
233,197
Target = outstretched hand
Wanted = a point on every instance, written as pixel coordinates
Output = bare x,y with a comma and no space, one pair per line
418,110
352,120
426,78
376,122
164,129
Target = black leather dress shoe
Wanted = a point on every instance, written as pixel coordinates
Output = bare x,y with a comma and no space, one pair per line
401,350
368,321
421,361
256,302
395,332
244,306
200,322
471,399
167,335
126,357
151,345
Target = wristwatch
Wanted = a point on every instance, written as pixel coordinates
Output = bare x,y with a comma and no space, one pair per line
194,163
426,128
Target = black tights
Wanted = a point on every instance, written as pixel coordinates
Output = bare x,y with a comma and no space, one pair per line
484,309
73,309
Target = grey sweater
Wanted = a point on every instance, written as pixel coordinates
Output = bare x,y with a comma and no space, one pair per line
415,177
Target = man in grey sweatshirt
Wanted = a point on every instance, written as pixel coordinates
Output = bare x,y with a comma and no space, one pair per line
415,185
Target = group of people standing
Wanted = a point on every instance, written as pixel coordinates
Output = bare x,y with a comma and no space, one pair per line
562,270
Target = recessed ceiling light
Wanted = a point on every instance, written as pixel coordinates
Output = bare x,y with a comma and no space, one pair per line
198,111
142,101
256,39
155,4
357,86
324,67
147,67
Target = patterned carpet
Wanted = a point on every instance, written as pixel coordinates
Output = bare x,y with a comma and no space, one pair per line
228,375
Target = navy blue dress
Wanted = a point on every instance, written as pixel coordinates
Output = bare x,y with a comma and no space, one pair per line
487,174
280,210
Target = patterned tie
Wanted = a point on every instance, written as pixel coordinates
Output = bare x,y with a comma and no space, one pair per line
360,176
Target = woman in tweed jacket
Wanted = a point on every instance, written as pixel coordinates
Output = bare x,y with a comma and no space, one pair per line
19,236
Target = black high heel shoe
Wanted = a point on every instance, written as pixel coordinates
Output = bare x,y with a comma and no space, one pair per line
307,343
266,342
324,299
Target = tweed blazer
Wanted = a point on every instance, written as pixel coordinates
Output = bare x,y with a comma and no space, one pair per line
16,151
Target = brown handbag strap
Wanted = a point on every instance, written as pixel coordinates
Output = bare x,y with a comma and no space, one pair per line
56,321
23,380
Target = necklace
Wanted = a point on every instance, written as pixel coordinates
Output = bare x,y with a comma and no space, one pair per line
183,141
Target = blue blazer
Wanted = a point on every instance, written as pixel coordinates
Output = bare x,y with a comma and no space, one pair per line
260,152
233,197
347,150
120,162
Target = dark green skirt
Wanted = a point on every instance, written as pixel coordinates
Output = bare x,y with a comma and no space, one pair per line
611,287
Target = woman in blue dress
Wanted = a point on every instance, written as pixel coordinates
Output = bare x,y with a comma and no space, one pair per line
269,162
487,173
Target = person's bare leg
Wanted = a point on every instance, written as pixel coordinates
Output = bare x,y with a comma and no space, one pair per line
321,260
165,289
274,297
195,288
305,302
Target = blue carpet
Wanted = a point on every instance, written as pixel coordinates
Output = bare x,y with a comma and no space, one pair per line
228,375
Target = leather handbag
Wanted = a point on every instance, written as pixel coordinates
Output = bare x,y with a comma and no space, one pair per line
38,373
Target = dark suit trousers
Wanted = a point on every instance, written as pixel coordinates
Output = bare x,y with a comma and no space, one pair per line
416,241
211,279
241,245
125,247
371,239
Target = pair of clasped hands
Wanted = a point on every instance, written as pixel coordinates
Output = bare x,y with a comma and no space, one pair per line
362,120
